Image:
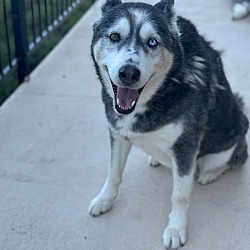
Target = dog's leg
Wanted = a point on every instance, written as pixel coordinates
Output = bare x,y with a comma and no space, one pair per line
212,166
175,234
120,148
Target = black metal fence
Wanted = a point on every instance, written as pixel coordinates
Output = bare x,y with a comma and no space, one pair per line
24,24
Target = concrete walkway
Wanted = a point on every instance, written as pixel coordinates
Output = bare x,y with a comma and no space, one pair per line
54,152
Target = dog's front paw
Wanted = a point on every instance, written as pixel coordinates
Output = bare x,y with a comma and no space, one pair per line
99,206
173,238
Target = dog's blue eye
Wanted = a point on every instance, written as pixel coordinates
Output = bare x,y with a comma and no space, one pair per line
114,37
152,42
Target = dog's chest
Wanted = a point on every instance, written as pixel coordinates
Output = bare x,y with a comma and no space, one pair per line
157,143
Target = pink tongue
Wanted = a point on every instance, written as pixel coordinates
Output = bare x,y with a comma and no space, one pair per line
126,97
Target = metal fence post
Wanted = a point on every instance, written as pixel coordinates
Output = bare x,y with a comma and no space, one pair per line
21,40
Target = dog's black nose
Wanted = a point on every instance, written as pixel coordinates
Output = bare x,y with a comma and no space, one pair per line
129,74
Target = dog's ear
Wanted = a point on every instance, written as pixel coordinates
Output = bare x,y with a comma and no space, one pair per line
110,4
95,26
167,6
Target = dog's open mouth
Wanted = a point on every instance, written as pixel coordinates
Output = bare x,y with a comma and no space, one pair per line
125,99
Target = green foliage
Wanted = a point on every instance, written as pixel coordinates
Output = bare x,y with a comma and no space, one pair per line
36,22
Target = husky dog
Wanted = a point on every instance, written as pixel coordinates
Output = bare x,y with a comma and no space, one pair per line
165,91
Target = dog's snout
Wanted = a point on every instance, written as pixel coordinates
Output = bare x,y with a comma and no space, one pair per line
129,74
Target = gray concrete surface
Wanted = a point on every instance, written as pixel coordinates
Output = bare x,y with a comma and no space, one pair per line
54,153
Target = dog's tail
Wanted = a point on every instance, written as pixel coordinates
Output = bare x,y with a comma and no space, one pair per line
240,153
239,101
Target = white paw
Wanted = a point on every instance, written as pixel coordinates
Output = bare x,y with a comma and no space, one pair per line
210,176
206,178
99,206
152,162
174,238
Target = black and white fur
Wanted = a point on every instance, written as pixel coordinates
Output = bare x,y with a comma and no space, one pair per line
184,114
